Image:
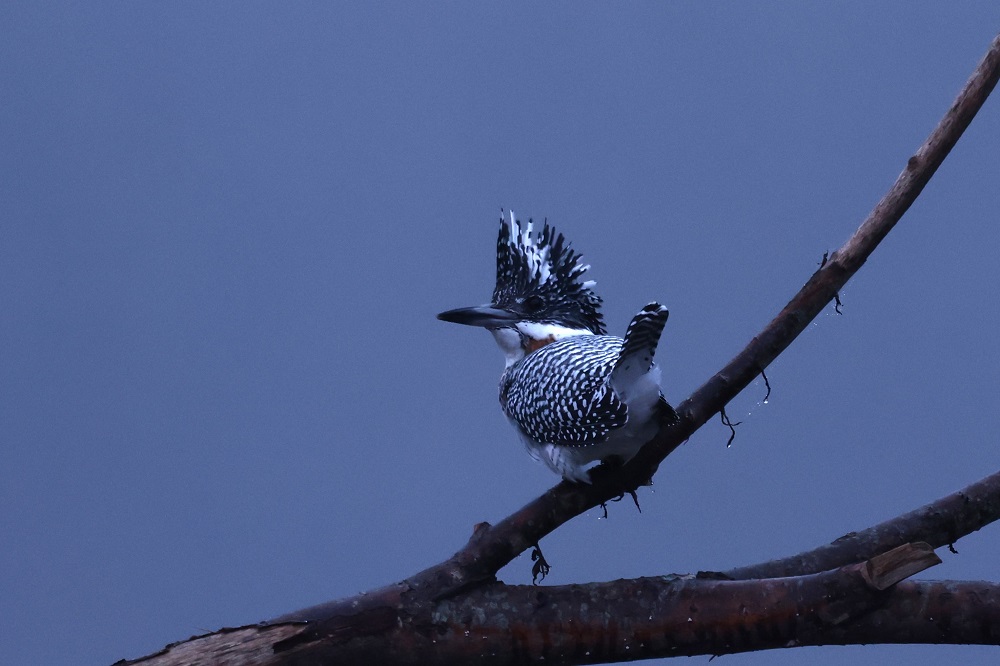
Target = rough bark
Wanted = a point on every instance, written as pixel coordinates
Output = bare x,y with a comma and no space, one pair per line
632,619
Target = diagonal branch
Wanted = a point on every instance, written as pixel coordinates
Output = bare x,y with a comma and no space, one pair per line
495,546
410,610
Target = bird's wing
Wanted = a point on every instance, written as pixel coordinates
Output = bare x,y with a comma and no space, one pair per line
560,393
636,356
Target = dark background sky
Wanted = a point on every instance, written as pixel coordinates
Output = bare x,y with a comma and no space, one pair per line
225,230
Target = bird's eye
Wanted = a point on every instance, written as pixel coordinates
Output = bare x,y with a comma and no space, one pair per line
533,303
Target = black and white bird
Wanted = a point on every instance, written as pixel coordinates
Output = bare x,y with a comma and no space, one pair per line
575,395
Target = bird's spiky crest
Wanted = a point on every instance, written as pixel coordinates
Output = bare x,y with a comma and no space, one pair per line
542,264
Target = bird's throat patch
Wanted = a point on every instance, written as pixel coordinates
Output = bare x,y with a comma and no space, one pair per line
532,344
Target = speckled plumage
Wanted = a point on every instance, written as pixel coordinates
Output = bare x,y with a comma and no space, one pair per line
587,398
575,395
560,393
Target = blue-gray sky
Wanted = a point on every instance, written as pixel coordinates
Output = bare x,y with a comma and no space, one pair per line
226,230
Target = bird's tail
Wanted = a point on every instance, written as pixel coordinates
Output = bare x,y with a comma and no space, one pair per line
636,357
668,416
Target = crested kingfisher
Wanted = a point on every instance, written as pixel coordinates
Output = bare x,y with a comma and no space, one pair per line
575,395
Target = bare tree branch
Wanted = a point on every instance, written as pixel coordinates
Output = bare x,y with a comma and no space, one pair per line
495,546
627,619
644,618
454,602
942,612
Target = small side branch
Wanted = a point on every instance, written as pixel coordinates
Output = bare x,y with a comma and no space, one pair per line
939,523
729,424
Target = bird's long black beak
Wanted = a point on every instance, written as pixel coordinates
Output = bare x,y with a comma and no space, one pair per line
486,316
